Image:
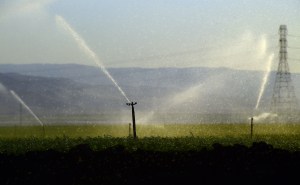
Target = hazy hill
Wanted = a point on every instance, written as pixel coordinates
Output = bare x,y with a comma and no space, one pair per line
75,89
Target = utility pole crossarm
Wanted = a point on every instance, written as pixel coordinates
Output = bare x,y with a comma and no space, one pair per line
131,104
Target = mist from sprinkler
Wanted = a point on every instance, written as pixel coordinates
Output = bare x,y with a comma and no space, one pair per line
265,79
263,85
29,110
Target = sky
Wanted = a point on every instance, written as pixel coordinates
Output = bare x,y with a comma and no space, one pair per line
238,34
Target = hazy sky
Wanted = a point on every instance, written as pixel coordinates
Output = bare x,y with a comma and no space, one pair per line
239,34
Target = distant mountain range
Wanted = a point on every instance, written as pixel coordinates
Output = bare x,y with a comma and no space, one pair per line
71,89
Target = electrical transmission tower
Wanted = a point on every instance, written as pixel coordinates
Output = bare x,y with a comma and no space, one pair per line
284,101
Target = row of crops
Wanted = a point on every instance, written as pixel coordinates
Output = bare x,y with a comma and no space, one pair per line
150,137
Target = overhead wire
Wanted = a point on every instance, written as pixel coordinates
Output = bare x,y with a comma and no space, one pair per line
204,57
294,59
157,57
190,52
293,47
291,35
172,55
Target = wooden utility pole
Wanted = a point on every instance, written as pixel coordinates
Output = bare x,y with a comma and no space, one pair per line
133,118
251,128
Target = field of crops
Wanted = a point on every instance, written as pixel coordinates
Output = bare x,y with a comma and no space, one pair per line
170,137
148,130
162,154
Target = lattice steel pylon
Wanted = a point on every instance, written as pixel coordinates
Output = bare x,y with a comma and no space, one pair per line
284,101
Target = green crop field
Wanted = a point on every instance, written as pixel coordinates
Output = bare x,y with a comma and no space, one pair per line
150,137
154,130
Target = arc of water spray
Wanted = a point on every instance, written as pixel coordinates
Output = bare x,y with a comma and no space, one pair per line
24,104
87,50
265,79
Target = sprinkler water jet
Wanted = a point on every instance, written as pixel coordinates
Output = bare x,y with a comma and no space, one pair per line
28,109
88,51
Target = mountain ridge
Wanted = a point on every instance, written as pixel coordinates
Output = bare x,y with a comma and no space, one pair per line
76,89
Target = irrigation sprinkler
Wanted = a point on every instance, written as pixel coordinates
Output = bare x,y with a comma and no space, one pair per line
133,118
251,128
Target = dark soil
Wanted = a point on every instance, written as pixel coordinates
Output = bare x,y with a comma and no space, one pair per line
237,164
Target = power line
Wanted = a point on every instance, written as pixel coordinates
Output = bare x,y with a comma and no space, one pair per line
192,52
294,47
294,59
156,57
221,48
296,36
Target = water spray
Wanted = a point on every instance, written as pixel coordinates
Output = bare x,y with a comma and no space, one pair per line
262,89
265,79
133,118
88,51
29,110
